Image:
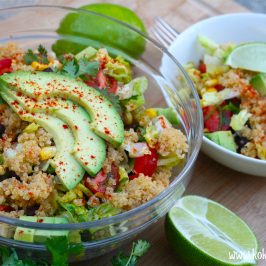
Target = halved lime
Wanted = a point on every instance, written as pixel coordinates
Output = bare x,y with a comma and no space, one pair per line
205,233
249,56
80,30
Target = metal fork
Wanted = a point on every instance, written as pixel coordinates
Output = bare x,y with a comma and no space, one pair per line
163,32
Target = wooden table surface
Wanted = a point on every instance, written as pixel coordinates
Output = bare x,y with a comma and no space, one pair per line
243,194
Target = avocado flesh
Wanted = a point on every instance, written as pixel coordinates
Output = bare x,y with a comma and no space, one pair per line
259,83
223,138
69,171
38,235
89,149
106,122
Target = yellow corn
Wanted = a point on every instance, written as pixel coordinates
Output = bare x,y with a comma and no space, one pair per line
39,66
261,151
2,170
47,153
211,82
211,90
78,192
151,113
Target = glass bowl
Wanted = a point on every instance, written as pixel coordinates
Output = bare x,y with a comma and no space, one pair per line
31,25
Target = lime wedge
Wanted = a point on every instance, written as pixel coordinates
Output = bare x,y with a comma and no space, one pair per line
80,30
205,233
249,56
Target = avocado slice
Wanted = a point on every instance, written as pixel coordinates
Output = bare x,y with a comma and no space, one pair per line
259,83
106,122
66,167
89,149
223,138
38,235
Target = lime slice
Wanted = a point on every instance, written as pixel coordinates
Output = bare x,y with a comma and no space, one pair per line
205,233
80,30
249,56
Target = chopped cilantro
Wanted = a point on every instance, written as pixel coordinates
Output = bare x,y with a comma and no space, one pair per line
70,68
40,56
138,250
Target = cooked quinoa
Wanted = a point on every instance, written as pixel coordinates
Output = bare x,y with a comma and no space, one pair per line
30,186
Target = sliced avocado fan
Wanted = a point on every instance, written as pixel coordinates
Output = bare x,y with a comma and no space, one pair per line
89,149
106,122
69,171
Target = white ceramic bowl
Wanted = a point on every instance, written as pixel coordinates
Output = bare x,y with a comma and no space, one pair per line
235,28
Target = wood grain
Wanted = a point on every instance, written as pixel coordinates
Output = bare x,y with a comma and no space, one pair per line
243,194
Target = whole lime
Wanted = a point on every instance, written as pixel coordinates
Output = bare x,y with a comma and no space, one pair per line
79,30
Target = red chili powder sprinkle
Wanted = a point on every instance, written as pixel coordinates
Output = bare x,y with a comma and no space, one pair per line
65,126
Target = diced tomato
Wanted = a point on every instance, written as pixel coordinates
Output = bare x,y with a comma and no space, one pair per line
146,164
5,66
211,118
101,79
96,184
5,208
219,87
112,85
133,176
226,119
92,83
202,67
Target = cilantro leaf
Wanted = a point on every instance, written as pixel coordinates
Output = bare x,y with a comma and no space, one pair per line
87,67
30,57
138,250
60,250
70,68
114,99
42,55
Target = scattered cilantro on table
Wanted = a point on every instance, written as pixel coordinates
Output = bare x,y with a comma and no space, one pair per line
138,249
60,250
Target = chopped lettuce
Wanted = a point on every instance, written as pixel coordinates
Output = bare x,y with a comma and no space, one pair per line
135,87
169,113
75,214
214,97
209,45
161,123
68,197
169,161
134,102
151,136
214,65
118,69
239,120
32,127
123,178
104,210
88,53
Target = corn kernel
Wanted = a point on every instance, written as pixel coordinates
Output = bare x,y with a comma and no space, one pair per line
151,113
211,82
78,192
211,90
2,170
47,153
39,66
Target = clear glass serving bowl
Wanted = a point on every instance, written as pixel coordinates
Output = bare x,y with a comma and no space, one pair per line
168,86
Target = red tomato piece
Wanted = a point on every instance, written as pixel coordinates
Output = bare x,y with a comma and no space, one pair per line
101,79
5,208
92,83
133,176
211,118
5,63
96,184
112,85
219,87
146,164
202,67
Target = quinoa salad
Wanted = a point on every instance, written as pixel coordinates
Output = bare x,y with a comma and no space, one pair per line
233,101
76,140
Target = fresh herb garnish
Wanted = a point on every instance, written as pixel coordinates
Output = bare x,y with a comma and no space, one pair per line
138,249
40,56
75,68
232,107
114,99
61,249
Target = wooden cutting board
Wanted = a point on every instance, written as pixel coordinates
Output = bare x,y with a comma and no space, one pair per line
243,194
